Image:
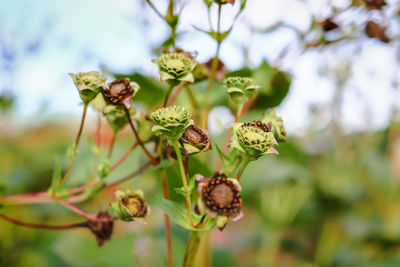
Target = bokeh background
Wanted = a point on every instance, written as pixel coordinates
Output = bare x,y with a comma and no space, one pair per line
331,198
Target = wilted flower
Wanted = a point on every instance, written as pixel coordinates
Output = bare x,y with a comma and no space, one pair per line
130,205
175,67
102,230
240,89
220,198
120,92
88,84
277,127
171,121
195,140
374,30
253,139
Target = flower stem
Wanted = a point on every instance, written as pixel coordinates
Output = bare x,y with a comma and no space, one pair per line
171,88
76,143
138,138
192,247
111,147
42,226
239,112
155,9
122,159
167,221
184,181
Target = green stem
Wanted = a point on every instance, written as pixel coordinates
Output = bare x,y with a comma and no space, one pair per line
171,88
184,181
241,170
239,111
192,247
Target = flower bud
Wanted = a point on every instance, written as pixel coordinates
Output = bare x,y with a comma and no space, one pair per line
130,205
195,140
88,84
277,127
220,198
102,230
240,89
171,121
120,92
116,116
175,67
253,139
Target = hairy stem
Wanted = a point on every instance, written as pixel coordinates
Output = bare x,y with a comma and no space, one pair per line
138,138
42,226
184,181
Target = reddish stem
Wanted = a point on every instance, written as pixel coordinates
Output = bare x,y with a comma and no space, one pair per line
176,94
42,226
122,159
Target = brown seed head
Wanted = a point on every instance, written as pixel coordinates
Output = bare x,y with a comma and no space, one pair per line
102,230
118,92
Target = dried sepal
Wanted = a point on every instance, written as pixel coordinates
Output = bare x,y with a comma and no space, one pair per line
101,230
120,92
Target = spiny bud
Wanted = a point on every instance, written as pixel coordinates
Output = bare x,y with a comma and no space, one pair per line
88,84
195,140
102,230
240,89
120,92
277,127
253,139
175,67
171,121
130,205
220,198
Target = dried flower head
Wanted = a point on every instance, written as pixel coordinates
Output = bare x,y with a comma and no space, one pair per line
102,230
120,92
253,139
220,198
195,140
130,205
240,89
374,30
171,121
277,127
175,67
88,84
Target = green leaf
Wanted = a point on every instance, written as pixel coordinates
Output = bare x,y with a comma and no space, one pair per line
179,214
219,37
186,192
55,187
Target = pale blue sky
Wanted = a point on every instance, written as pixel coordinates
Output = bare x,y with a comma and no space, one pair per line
80,35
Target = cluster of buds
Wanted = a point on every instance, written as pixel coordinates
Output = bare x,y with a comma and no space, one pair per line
89,84
130,205
219,198
171,122
175,68
240,89
253,139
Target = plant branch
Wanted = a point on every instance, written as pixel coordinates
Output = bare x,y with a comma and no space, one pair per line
155,9
131,175
138,138
122,159
42,226
170,89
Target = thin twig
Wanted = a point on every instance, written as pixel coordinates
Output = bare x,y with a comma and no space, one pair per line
129,176
155,9
42,226
122,159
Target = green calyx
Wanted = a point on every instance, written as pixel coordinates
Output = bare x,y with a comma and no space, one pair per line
116,116
278,129
171,122
130,205
88,84
240,89
253,139
175,67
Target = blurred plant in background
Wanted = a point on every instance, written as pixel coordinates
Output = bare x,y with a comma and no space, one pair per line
329,198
